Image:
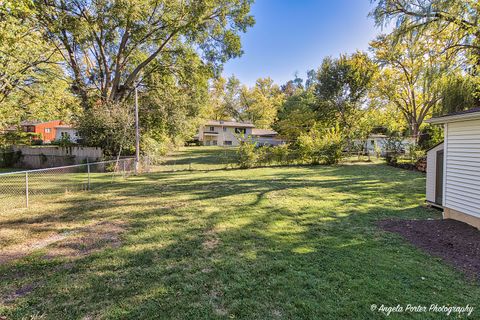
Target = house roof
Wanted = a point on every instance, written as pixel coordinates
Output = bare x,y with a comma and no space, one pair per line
229,124
471,114
263,132
440,143
29,123
64,126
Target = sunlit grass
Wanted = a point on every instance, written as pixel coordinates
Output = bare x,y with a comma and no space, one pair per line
292,242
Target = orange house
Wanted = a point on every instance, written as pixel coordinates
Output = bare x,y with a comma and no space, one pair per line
46,130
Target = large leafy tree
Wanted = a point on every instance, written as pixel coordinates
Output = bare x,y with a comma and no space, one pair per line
413,75
341,89
225,99
32,82
296,115
454,22
460,17
262,102
107,45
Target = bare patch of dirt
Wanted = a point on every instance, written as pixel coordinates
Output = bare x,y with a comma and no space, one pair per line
455,242
88,240
211,241
72,244
19,293
21,250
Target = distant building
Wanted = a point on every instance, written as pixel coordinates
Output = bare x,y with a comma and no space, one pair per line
224,133
266,137
380,142
48,131
67,132
231,133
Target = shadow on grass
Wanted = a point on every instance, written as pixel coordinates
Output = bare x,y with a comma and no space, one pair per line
277,243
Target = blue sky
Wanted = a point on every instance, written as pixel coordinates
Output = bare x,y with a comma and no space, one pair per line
295,35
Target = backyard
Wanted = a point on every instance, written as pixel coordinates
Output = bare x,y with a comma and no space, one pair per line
280,242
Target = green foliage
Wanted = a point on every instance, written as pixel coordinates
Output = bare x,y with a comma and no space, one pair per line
247,155
321,146
296,115
458,94
17,138
64,141
127,37
109,127
262,102
282,154
452,22
430,136
412,76
342,87
32,82
258,104
393,147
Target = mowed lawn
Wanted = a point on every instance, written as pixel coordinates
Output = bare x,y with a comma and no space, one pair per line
281,243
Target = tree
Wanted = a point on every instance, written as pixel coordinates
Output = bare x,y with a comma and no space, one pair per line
32,82
412,76
296,115
173,107
342,87
262,102
107,45
454,22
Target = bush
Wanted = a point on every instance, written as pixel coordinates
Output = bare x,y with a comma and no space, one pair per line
321,146
156,147
247,157
281,154
394,148
264,155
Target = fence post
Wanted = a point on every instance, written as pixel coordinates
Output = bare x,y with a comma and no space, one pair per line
26,189
88,175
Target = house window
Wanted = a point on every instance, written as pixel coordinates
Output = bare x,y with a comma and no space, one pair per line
65,135
372,142
212,129
227,143
240,130
214,142
224,129
48,130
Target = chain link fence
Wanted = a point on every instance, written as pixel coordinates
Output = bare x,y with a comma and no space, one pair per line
23,188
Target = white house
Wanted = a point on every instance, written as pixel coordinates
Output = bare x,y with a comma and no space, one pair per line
224,133
460,178
380,141
66,131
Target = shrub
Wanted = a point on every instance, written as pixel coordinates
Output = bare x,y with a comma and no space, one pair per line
321,146
247,157
264,155
393,147
281,154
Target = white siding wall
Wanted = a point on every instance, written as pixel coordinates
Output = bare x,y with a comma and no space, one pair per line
462,156
432,172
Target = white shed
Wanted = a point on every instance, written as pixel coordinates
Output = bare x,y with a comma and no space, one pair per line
435,175
461,166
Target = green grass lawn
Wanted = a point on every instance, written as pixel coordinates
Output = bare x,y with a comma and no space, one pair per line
200,158
283,242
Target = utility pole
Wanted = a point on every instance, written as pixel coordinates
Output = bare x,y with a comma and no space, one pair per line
137,134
